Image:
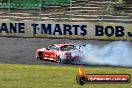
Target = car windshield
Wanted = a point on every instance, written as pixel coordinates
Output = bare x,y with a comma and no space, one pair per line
68,47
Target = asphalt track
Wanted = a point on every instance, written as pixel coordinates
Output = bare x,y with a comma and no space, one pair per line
22,50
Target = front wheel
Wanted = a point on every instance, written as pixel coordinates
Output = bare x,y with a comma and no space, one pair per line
40,55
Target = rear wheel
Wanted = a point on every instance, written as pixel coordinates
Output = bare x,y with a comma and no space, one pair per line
58,59
40,55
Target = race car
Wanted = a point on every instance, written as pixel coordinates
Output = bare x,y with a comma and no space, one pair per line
61,53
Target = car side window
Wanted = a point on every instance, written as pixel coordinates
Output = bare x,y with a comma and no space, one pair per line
53,47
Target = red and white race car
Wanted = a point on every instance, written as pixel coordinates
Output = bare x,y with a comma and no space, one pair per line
61,53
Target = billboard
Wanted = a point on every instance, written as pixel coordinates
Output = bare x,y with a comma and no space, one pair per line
74,30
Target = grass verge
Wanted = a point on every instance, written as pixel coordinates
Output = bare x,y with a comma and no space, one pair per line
39,76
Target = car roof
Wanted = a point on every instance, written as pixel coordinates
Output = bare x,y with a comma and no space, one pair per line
59,45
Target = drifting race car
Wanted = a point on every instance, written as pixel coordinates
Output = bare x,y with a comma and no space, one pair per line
61,53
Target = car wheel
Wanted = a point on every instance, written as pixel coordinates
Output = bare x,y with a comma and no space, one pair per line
40,55
58,59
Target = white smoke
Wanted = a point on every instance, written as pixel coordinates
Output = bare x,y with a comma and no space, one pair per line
117,53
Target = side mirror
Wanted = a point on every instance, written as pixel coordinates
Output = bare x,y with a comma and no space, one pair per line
48,48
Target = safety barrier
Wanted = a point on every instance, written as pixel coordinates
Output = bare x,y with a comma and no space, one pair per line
71,30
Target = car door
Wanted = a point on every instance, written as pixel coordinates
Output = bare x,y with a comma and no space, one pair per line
46,53
52,52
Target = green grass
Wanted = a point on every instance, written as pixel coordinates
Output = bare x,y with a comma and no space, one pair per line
40,76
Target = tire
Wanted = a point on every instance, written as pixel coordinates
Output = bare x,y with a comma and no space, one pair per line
58,59
64,61
40,55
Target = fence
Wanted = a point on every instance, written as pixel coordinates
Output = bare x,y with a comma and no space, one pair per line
64,10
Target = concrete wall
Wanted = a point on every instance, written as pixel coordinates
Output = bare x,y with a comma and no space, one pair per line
79,30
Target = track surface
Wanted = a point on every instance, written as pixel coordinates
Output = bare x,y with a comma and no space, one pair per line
22,50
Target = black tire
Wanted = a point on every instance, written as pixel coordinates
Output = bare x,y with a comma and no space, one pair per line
40,55
58,59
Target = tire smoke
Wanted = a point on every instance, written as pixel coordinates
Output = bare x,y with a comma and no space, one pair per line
117,53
